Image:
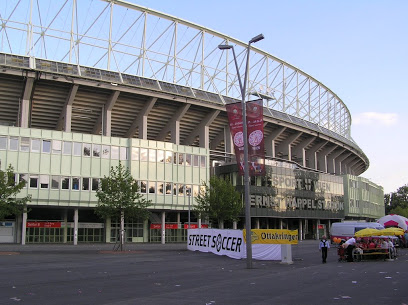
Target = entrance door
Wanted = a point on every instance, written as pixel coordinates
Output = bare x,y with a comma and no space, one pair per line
7,231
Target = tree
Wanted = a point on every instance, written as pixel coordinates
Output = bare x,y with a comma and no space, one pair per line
10,205
219,201
119,196
398,202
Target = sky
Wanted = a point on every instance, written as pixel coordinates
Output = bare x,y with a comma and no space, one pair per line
358,49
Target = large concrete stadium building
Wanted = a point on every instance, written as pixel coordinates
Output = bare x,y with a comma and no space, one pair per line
85,84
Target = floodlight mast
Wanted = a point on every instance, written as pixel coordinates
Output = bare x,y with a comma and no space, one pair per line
245,136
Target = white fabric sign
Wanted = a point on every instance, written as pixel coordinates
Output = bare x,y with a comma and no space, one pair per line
230,243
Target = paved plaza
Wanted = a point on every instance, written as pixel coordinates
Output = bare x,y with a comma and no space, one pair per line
170,274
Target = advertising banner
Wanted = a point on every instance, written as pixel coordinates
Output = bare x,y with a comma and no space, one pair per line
256,150
234,112
230,243
254,121
273,236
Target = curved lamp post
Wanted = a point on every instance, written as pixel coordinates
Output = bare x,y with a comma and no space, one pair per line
246,167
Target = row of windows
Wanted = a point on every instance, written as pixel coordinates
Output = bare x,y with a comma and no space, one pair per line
87,183
100,151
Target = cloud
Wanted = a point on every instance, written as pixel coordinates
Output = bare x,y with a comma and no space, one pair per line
375,118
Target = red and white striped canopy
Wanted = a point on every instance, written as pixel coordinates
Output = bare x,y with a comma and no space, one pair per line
394,220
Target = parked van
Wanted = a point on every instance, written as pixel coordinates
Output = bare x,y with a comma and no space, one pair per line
347,229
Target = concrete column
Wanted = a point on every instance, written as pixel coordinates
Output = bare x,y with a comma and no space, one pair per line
75,227
146,231
257,224
280,223
317,229
163,228
199,223
108,226
23,228
65,226
178,220
234,225
300,229
25,103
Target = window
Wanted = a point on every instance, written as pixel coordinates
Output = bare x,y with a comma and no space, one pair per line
123,153
203,161
95,184
168,188
44,181
188,159
86,149
67,148
77,149
25,144
75,183
152,187
181,159
96,150
160,156
143,154
46,146
23,177
175,189
34,182
160,188
56,146
115,152
35,145
175,158
85,184
55,182
13,144
105,151
195,190
143,187
188,190
135,153
65,183
195,160
169,156
181,189
3,142
152,155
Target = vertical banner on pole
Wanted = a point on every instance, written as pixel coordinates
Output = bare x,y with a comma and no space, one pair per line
234,112
256,150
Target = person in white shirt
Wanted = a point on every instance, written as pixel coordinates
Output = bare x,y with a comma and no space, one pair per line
324,246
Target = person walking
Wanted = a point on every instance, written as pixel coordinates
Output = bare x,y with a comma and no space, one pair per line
324,246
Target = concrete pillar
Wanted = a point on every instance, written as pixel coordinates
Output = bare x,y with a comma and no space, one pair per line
108,226
65,226
163,228
257,223
280,223
75,227
234,225
300,229
23,228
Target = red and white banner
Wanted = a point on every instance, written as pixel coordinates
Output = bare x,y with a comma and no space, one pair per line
254,120
43,224
256,150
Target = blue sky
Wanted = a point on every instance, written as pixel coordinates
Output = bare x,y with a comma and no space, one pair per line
359,49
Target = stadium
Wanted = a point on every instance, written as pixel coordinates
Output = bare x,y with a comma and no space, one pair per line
86,84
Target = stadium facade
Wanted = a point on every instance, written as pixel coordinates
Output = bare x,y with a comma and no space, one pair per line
95,83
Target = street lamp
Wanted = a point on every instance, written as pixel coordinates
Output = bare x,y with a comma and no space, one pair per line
244,124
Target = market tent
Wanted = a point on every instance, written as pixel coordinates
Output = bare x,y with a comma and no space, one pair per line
390,231
394,220
367,232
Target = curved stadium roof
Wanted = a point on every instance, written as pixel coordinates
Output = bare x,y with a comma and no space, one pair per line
118,42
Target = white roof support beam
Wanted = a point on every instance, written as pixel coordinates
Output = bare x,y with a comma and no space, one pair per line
311,154
105,118
339,163
322,157
270,141
331,167
25,103
285,146
202,130
299,149
173,126
64,121
141,121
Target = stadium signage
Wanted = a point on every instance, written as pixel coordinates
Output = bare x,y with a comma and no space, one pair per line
268,201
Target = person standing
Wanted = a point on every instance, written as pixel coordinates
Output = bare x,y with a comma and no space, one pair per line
324,246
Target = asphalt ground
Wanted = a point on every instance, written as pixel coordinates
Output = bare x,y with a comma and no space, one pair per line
170,274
